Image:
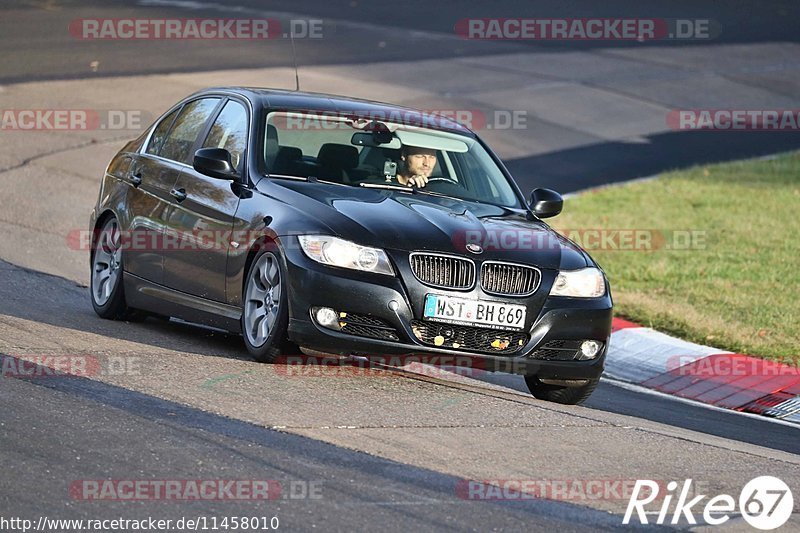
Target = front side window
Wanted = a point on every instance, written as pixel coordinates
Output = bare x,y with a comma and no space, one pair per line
229,131
181,138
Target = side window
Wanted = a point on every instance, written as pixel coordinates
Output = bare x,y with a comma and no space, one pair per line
160,133
181,138
229,131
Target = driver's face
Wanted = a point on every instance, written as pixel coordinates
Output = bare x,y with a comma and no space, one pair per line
421,162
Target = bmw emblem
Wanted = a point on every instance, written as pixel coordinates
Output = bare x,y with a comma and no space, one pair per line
474,248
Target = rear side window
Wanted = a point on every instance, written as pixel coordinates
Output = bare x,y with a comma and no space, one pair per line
160,133
229,131
181,138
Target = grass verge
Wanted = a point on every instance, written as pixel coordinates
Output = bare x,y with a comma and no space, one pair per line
710,254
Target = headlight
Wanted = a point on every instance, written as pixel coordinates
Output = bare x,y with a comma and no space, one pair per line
585,283
345,254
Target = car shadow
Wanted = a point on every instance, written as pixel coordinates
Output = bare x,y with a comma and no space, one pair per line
59,302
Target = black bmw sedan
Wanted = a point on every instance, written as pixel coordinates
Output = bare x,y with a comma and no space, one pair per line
326,224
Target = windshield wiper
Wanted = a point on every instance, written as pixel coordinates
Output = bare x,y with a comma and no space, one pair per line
412,190
386,186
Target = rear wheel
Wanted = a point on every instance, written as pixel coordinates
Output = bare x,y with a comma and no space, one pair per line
265,312
560,393
106,287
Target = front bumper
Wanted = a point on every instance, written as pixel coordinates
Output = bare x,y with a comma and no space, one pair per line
314,285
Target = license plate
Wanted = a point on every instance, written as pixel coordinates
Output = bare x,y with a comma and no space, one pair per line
494,315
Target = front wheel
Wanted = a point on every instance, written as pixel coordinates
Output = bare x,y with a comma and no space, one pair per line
106,287
265,312
559,393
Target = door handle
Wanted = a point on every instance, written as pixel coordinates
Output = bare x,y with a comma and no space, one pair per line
178,194
135,179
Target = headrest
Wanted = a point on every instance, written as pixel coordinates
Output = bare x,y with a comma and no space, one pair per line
376,156
271,145
288,153
338,156
285,160
272,133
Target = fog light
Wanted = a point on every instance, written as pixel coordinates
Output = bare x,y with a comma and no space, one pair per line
590,349
326,317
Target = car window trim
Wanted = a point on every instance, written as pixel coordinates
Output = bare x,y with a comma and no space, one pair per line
165,160
206,126
177,110
188,100
216,114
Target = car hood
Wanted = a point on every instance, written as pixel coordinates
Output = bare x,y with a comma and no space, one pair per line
396,220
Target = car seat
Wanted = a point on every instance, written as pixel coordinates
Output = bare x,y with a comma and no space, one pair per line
335,161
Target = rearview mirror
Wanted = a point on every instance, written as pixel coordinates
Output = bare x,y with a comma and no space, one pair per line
362,138
215,162
546,203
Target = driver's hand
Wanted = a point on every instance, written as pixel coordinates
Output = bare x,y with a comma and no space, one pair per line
418,180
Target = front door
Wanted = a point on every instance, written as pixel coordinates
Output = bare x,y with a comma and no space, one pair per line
200,222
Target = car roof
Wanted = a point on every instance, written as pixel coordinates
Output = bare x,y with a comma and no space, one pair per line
329,103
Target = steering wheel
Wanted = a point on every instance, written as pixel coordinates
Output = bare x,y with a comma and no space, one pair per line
444,179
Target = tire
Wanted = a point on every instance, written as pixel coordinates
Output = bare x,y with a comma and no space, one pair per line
106,287
265,308
561,394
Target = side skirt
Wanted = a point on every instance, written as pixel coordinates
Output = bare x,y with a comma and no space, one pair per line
148,296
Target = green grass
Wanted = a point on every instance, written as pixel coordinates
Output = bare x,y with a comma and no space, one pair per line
737,290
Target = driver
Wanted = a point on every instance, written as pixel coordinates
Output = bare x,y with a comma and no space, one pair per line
418,164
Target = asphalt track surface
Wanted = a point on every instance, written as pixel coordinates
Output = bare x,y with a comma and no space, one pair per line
111,432
196,412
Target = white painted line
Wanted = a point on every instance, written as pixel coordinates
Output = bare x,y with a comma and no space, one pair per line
787,410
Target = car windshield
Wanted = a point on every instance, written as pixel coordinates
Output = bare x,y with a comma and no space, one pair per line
361,152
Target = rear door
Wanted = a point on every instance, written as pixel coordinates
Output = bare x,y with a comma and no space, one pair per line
202,218
151,179
158,168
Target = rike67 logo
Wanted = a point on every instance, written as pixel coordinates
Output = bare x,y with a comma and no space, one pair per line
765,503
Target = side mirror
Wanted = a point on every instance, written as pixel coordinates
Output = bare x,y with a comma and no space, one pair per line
215,162
546,203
